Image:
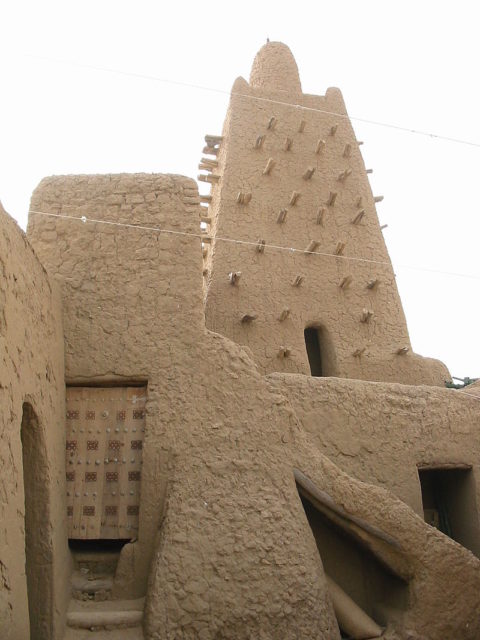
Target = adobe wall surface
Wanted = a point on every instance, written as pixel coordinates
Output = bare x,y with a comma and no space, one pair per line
31,371
381,433
223,534
316,136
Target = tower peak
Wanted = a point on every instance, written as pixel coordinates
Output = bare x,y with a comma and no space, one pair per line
275,69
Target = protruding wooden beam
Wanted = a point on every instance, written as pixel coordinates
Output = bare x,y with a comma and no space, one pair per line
320,215
234,277
359,201
204,252
339,249
260,245
284,315
205,198
206,219
344,175
287,145
333,129
213,141
269,166
301,126
282,215
367,315
312,245
205,167
347,152
205,272
369,170
358,352
294,197
211,151
371,284
383,226
259,142
271,123
243,197
297,281
206,240
210,162
402,351
320,146
284,352
309,173
345,282
248,317
331,198
213,178
358,218
359,142
378,198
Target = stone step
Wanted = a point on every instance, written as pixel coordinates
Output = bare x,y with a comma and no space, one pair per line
107,615
86,586
131,633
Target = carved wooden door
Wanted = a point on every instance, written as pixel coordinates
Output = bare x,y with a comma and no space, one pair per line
105,432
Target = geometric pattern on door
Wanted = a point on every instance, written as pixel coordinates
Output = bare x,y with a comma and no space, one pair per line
105,429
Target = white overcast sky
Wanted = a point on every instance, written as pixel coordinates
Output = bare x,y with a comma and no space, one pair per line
412,64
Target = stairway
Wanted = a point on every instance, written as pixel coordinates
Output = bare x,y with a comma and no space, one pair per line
92,614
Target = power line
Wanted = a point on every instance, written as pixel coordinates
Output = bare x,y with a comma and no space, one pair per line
291,250
190,85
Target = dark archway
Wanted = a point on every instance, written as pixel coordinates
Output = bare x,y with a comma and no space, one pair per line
38,547
319,351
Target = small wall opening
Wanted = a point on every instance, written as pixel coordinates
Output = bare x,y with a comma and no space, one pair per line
319,351
449,503
38,549
379,593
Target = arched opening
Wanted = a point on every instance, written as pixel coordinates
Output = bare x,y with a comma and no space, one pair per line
319,351
38,553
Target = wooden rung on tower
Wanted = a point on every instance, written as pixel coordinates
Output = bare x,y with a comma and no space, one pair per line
212,151
378,198
320,146
312,245
359,202
271,123
339,248
331,198
369,170
204,252
244,197
301,126
294,197
282,215
347,152
297,281
284,315
213,141
209,161
367,315
344,175
206,219
259,142
358,218
260,245
309,173
213,178
371,284
333,129
345,282
249,317
205,167
402,351
287,145
320,215
269,166
205,198
234,277
359,142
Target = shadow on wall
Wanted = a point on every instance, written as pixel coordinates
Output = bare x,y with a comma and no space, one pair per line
369,596
38,548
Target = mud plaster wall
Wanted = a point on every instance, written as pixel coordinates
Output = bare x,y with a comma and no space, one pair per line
265,288
31,370
379,433
234,556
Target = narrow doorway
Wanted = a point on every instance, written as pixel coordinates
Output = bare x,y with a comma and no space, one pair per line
314,352
449,503
38,550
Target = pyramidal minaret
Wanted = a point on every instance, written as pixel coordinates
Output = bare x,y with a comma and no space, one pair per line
295,264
